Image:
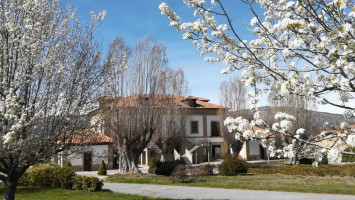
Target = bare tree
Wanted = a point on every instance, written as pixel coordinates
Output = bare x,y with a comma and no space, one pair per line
142,99
298,107
49,72
233,96
173,127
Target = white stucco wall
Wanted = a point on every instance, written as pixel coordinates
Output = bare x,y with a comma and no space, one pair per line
254,148
99,153
76,159
198,118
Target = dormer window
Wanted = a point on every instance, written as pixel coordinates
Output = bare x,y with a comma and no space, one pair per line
191,102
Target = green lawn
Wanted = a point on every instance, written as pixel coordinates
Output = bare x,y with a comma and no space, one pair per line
331,185
62,194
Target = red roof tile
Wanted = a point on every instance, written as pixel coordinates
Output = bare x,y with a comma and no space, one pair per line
132,101
88,137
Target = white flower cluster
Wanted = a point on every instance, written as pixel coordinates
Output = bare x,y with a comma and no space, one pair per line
334,155
285,123
240,126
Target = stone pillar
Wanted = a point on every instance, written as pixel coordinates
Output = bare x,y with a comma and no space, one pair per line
141,158
146,157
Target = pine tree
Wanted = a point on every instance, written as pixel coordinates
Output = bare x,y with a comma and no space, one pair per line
152,166
102,169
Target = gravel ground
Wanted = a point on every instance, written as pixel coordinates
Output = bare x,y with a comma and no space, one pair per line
181,192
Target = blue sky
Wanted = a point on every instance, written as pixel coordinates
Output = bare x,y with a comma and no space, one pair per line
132,19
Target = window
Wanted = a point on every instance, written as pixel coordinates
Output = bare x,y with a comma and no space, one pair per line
194,127
215,131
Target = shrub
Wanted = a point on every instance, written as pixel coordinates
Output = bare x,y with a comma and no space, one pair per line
179,174
152,166
232,165
195,172
78,183
189,173
49,177
166,168
207,170
102,169
306,161
91,184
68,164
348,158
41,178
66,176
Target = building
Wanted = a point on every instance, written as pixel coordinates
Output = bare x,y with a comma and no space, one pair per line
202,141
88,149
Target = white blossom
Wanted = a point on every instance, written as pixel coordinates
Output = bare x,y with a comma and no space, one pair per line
291,53
334,155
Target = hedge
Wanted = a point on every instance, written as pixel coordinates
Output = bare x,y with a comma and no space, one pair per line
306,170
59,177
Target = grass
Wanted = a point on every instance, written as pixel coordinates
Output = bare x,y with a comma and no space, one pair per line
62,194
272,182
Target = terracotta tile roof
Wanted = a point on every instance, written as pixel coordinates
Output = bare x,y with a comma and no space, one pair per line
181,101
88,137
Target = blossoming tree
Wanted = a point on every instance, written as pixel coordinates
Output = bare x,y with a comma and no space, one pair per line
303,48
49,75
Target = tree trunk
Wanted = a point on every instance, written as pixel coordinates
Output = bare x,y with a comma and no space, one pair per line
294,159
133,168
132,165
10,188
237,146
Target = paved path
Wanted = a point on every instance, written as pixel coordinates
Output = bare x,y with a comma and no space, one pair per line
181,192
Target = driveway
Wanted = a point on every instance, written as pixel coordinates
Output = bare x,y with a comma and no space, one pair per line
144,170
181,192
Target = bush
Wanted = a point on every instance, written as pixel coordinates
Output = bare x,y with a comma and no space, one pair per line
78,183
166,168
195,172
65,177
91,184
152,166
102,169
232,165
57,177
348,158
46,177
68,164
60,177
189,173
306,161
207,169
179,174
